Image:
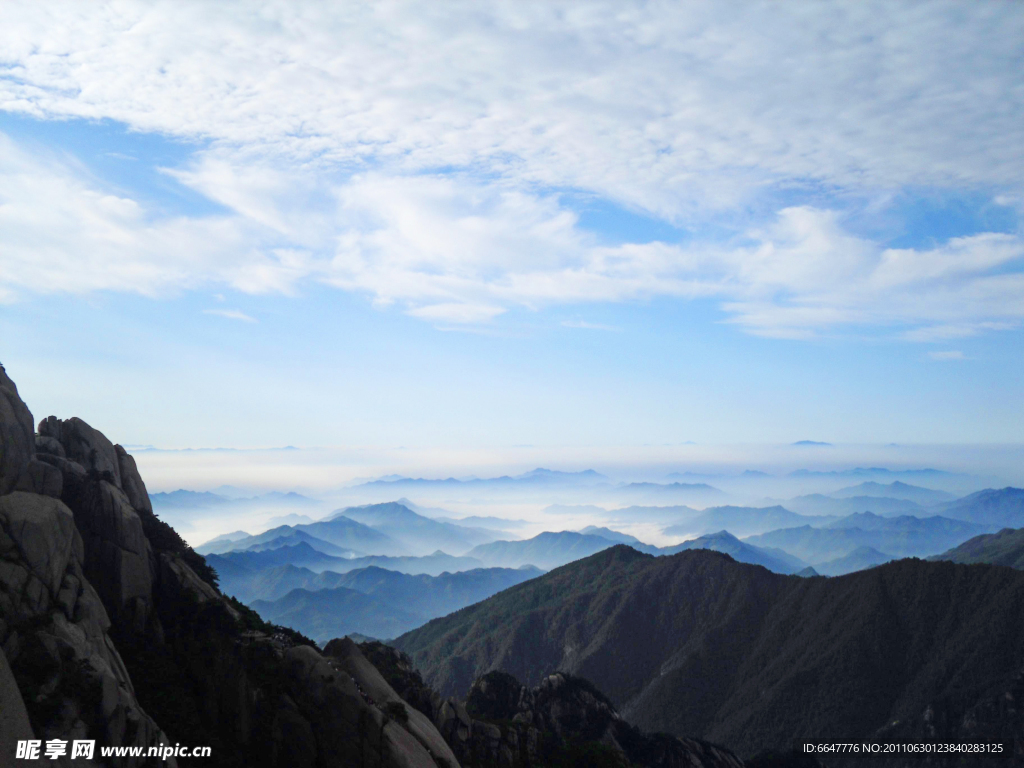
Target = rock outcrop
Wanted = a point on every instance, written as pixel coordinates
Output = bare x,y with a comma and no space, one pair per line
563,721
17,443
112,628
71,681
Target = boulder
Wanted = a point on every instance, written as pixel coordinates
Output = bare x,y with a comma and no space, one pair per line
17,439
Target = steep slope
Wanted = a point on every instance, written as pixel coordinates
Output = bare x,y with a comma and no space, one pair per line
696,643
1003,548
546,550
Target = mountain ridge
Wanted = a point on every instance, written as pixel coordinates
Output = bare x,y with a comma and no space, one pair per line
686,642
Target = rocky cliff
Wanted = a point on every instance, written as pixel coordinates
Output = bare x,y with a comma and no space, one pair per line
112,629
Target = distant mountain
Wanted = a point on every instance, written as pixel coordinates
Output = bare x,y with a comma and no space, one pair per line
696,643
608,533
1003,548
351,534
419,535
499,524
691,492
812,443
330,613
388,602
539,477
546,550
337,537
936,525
819,504
283,535
292,518
291,537
304,556
247,584
995,509
183,499
300,554
904,536
773,559
895,490
225,539
870,472
646,514
432,565
857,560
742,521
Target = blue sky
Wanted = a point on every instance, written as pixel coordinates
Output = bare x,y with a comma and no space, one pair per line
489,225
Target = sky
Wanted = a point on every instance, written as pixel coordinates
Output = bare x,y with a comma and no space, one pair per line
494,225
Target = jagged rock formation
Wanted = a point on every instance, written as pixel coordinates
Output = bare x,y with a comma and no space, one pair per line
112,628
562,721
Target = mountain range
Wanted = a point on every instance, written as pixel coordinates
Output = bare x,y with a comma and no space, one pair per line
742,521
995,509
546,550
697,643
382,603
419,535
303,555
903,536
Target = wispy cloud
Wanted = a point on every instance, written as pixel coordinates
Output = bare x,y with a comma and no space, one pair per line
953,354
231,314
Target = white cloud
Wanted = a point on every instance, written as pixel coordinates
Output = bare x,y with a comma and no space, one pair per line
448,249
325,127
61,233
953,354
663,106
230,314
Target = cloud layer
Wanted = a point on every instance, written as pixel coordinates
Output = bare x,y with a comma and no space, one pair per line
420,153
